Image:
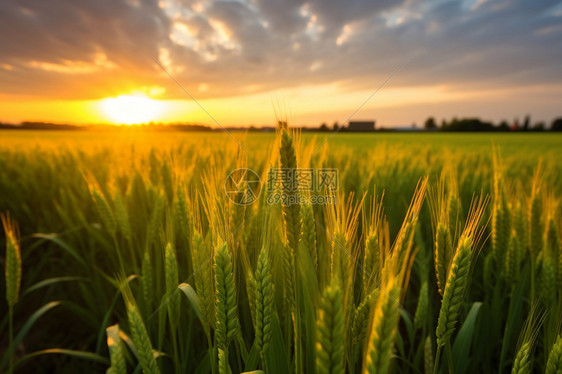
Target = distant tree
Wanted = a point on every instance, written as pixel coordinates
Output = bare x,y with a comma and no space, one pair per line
527,122
556,124
513,127
454,122
336,126
539,126
504,126
469,124
323,127
430,124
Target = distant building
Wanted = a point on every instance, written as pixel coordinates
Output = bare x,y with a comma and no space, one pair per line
361,126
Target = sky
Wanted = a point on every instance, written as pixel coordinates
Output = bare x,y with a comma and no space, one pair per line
239,62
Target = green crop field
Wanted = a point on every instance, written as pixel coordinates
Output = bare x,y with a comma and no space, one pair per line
131,251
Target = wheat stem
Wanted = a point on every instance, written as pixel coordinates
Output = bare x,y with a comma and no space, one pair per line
428,356
11,338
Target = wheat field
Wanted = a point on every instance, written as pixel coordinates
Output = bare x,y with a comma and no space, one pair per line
127,253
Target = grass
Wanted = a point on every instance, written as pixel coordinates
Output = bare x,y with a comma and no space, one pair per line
442,254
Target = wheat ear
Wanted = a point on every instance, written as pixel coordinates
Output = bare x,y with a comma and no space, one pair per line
201,259
122,217
139,335
457,282
383,330
226,315
171,279
105,211
554,363
309,233
13,260
360,322
118,364
291,212
371,262
500,228
155,221
536,225
264,294
422,308
330,332
13,277
443,254
147,280
513,259
548,278
523,363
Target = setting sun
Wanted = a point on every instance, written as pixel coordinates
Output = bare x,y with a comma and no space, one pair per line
131,109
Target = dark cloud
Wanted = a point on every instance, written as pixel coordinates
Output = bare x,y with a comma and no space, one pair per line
284,17
57,30
59,47
56,48
335,13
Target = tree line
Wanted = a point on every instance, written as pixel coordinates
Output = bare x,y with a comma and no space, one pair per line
476,124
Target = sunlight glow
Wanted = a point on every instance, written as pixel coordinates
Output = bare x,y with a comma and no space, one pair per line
131,109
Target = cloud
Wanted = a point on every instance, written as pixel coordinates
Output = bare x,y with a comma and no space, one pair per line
54,47
97,48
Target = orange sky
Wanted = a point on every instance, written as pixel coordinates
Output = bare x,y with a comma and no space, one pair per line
304,105
400,62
